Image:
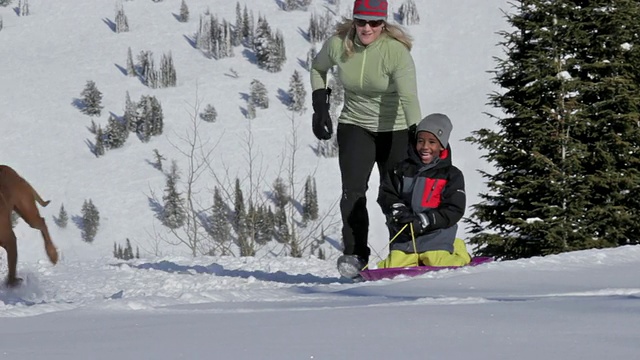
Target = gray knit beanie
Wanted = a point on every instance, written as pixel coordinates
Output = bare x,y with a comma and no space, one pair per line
437,124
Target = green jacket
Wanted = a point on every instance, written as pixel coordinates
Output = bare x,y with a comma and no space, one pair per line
379,82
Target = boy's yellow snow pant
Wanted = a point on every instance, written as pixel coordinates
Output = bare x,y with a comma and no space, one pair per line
459,257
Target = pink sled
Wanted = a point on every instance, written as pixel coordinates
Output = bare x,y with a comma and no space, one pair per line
389,273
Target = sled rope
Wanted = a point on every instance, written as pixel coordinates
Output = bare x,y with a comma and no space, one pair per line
413,238
415,248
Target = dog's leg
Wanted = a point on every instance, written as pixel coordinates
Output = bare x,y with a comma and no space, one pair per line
34,220
9,244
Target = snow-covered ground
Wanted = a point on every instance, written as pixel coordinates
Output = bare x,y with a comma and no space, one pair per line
168,305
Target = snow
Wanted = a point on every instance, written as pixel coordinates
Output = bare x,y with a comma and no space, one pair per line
169,305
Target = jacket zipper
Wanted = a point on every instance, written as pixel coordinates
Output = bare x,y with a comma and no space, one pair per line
433,188
364,61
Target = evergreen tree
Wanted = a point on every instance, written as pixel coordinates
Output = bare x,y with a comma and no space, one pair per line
150,120
565,151
320,27
92,99
148,72
63,218
131,69
291,5
280,193
173,214
90,221
158,159
167,76
116,133
128,251
184,12
264,46
408,13
226,40
278,53
297,93
310,204
122,23
220,229
239,213
251,109
243,241
258,94
238,27
209,114
130,114
248,32
203,36
23,5
281,232
99,148
311,54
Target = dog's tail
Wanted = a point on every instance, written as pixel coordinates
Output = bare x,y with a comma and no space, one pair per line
39,199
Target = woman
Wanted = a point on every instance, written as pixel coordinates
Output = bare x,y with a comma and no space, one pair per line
381,104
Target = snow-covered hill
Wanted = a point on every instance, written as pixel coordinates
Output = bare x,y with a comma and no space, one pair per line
581,305
48,56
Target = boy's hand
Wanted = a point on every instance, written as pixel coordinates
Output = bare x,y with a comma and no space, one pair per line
401,214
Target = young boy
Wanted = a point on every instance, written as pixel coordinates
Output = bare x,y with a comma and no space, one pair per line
426,192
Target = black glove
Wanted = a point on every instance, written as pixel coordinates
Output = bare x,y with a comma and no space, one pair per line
401,214
322,125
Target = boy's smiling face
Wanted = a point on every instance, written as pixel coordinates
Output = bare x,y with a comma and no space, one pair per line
428,147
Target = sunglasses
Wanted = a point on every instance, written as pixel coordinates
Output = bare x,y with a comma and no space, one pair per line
372,23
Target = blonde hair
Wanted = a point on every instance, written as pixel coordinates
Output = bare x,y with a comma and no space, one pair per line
346,31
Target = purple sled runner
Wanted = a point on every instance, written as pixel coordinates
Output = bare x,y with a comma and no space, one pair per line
388,273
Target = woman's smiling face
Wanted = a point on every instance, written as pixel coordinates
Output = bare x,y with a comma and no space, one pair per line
368,31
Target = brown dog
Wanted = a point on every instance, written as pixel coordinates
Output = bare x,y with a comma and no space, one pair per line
16,194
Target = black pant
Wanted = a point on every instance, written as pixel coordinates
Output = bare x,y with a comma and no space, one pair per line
358,150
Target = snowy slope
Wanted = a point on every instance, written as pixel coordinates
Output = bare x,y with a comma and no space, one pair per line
50,54
581,305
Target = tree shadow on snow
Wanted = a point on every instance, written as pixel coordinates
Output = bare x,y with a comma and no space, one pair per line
244,111
303,64
78,221
250,56
122,70
219,270
156,207
284,97
78,103
110,24
92,146
304,34
191,41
